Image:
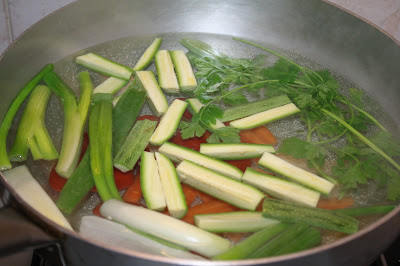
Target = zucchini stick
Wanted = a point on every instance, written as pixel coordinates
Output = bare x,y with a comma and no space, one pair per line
75,117
77,186
16,104
32,133
100,144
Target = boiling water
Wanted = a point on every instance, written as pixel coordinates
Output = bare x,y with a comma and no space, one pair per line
128,50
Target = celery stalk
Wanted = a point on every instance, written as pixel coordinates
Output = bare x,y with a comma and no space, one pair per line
75,117
32,132
16,104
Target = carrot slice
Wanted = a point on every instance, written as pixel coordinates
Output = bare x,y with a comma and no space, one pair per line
235,237
148,117
56,182
191,143
134,192
205,197
190,194
96,211
264,135
214,206
335,203
241,164
246,136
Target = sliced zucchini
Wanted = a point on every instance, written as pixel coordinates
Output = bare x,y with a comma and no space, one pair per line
224,188
134,145
169,123
293,172
235,151
243,110
148,55
150,182
186,78
157,101
235,222
172,188
165,227
179,153
280,188
104,66
195,106
111,85
166,74
265,117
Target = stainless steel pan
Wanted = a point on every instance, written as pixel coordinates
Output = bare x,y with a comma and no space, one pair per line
311,28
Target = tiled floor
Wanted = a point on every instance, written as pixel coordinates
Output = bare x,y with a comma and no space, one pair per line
18,15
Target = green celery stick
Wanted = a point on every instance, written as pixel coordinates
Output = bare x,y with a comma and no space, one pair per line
8,118
366,210
308,239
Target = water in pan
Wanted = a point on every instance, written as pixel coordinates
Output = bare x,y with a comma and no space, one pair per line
128,50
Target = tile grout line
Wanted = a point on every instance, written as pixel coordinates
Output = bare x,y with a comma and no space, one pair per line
8,20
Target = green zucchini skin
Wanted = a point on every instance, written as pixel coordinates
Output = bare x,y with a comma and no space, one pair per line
166,73
255,107
169,123
184,72
77,187
265,117
134,145
172,188
179,153
111,85
294,213
280,166
150,182
224,188
281,188
233,222
157,101
235,151
148,55
125,113
104,66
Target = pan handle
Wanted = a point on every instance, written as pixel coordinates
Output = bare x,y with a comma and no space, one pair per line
18,233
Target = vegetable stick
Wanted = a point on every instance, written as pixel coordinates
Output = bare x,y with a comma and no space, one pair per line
214,206
335,203
246,136
134,193
264,135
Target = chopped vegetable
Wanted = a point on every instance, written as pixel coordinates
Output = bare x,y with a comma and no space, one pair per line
124,115
195,106
371,210
134,145
171,186
219,186
249,245
165,70
225,151
15,105
165,227
104,66
77,187
281,188
335,203
243,221
294,213
178,153
134,192
157,101
148,55
75,118
293,172
184,72
150,182
26,186
111,85
100,145
32,133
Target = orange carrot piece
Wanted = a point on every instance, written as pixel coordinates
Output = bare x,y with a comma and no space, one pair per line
246,136
241,164
335,203
123,180
134,192
235,237
215,206
264,135
96,211
204,197
56,182
190,194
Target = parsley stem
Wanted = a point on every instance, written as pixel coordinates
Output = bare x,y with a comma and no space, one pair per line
362,138
365,114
